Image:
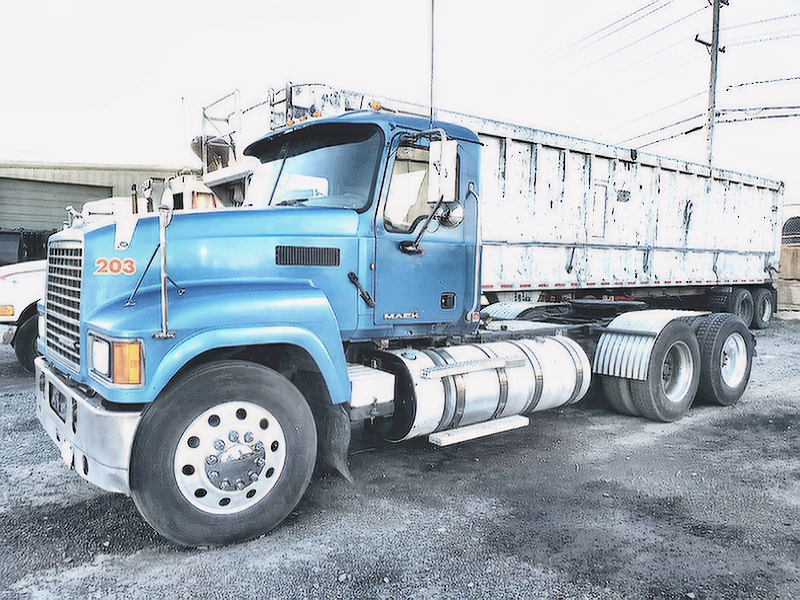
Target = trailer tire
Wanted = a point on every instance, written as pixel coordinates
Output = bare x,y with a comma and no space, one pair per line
763,308
617,391
673,375
25,342
726,350
740,304
223,455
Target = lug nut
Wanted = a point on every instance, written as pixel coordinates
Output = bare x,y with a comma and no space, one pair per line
260,462
233,436
213,474
219,445
211,459
239,485
258,447
225,484
248,437
252,476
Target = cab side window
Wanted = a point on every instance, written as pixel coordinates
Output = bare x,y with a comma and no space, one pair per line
408,202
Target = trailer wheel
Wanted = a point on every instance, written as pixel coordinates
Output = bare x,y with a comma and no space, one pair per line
673,375
618,394
223,455
25,343
763,308
726,350
740,304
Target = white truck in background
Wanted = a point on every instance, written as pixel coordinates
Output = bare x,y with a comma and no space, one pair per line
21,287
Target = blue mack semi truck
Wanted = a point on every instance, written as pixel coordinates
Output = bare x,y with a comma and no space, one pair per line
205,362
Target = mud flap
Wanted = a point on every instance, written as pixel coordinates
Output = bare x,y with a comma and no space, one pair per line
332,422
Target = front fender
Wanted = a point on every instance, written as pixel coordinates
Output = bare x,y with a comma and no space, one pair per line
223,315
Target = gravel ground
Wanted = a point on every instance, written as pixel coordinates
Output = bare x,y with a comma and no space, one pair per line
583,503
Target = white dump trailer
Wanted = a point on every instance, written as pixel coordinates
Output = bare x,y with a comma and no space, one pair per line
565,218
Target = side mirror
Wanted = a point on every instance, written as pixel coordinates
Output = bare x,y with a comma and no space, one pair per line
442,170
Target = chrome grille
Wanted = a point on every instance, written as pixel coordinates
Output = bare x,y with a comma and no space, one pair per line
63,301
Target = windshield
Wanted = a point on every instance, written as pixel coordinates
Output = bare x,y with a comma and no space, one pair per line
331,165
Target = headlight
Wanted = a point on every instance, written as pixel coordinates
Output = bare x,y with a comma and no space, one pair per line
101,357
118,361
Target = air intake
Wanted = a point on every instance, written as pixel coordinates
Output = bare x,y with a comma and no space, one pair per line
304,256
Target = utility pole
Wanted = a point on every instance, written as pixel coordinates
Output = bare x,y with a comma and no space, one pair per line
712,85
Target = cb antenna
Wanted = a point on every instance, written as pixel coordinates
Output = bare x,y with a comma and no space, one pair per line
432,61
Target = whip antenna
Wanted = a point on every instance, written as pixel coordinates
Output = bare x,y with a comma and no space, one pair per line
432,55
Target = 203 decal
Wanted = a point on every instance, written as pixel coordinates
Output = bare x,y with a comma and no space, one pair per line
114,266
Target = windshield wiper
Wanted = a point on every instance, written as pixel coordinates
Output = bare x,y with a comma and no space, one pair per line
292,202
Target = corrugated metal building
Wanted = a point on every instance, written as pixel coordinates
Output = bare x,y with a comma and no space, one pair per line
33,195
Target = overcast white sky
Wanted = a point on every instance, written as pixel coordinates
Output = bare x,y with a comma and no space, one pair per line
112,82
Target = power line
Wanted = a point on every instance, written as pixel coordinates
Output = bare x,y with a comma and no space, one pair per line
649,56
672,137
660,110
670,70
664,128
759,117
583,46
641,39
761,40
761,21
762,82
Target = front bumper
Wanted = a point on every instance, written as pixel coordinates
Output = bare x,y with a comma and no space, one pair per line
93,440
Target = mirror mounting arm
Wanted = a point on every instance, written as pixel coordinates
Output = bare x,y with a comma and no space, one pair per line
413,247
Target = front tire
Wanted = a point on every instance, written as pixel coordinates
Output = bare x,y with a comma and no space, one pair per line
673,375
726,348
223,455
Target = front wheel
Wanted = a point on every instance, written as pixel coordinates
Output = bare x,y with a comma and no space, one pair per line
673,375
223,455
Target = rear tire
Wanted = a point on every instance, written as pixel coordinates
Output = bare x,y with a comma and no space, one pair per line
726,350
763,308
223,455
25,342
741,305
673,375
617,391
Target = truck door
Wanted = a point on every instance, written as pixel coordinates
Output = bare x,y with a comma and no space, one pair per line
426,284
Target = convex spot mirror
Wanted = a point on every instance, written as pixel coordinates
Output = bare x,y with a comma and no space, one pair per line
451,214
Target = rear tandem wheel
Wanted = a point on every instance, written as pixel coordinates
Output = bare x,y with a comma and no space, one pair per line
673,375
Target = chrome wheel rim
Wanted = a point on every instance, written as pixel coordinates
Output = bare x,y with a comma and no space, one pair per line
733,360
677,370
229,457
